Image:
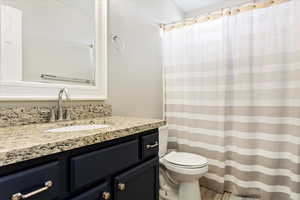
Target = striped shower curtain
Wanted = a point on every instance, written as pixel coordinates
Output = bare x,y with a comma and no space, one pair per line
232,94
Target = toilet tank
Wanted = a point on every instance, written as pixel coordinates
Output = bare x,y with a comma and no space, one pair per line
163,140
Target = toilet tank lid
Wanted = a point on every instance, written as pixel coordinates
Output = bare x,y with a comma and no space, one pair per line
186,159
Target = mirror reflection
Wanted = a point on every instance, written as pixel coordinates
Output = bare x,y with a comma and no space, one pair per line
49,41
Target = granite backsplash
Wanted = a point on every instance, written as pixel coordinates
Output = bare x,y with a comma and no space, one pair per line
14,116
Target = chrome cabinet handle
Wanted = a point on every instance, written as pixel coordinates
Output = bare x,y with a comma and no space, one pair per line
152,146
20,196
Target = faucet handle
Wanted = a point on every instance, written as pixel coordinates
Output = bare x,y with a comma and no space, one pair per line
52,115
68,115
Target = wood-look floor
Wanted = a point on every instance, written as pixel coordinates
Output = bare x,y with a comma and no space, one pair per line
207,194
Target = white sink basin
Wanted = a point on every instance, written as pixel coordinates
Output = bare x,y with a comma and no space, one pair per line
78,128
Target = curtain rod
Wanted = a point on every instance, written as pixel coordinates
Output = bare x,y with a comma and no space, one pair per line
218,14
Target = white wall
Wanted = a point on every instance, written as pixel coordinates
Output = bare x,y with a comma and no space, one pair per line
135,72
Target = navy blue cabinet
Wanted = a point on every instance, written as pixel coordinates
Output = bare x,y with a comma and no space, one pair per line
90,167
121,169
149,145
42,182
138,183
101,192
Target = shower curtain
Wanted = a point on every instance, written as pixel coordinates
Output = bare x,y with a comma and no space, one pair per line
232,95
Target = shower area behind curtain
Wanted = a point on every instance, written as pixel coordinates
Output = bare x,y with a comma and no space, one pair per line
233,96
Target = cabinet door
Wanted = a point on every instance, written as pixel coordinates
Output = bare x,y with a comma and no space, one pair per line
100,192
150,145
38,183
140,183
94,166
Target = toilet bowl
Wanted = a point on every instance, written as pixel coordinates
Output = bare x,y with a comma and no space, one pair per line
181,169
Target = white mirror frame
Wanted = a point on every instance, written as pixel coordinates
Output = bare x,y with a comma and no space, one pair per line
34,91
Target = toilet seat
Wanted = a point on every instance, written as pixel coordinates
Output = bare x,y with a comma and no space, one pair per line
185,160
185,167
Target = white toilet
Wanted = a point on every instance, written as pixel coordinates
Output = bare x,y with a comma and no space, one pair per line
179,172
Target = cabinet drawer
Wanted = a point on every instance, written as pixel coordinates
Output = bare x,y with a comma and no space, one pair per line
100,192
139,183
42,182
150,145
91,167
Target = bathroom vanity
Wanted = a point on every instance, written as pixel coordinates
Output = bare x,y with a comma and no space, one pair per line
119,162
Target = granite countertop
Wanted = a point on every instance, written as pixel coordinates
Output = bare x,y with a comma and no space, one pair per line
21,143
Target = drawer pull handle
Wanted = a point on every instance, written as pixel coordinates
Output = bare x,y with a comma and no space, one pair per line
20,196
106,195
121,186
152,146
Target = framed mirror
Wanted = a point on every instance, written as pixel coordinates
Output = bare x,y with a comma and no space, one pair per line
51,44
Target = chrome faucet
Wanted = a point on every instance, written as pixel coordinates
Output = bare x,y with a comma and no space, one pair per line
60,102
